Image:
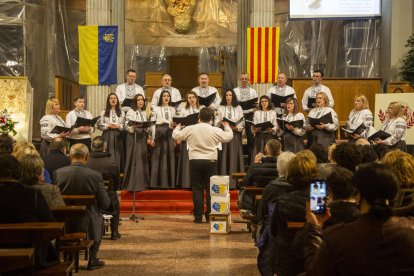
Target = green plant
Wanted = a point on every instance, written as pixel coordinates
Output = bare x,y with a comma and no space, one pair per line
6,123
407,70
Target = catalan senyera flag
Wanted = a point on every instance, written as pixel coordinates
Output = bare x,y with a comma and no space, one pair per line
263,54
97,55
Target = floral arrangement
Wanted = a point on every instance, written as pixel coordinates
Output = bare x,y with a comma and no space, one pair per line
6,123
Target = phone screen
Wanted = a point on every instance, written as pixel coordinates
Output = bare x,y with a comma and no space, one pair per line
318,196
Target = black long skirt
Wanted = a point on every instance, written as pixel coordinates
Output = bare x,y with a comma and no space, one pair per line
183,168
231,158
260,140
136,175
292,142
163,159
322,137
115,146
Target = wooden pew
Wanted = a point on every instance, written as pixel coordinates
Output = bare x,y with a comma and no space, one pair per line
79,200
238,176
16,259
72,246
32,232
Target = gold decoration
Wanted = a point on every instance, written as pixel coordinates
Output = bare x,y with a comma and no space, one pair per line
182,12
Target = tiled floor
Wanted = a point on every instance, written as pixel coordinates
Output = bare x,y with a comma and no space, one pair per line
174,245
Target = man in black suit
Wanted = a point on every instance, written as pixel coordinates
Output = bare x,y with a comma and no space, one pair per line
56,158
100,161
77,179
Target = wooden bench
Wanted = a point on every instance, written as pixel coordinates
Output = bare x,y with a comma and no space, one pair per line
79,200
238,176
33,232
69,214
12,259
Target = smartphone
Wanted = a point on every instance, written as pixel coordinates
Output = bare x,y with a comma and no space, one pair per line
317,196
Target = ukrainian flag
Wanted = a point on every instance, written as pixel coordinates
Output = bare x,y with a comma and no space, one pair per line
97,54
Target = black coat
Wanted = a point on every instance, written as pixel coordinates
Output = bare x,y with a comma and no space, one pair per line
103,163
54,160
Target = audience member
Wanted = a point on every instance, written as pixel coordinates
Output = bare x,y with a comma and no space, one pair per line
362,142
20,204
56,158
377,243
368,154
274,256
100,161
343,208
77,179
347,155
6,144
320,152
32,176
381,150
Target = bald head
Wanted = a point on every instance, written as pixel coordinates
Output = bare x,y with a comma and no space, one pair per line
79,153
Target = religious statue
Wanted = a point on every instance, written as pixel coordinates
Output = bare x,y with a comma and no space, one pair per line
182,12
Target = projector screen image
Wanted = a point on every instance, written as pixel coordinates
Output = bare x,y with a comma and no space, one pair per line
313,9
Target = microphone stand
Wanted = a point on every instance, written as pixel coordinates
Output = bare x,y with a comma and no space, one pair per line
133,216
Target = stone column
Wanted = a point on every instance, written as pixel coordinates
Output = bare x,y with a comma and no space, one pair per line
262,15
98,12
118,19
243,15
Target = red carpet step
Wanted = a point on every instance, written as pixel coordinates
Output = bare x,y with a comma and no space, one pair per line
164,201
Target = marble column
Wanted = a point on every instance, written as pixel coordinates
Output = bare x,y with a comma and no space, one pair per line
243,16
118,18
98,12
262,13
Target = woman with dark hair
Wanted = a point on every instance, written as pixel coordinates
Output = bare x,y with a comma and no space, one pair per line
112,123
231,154
262,115
292,135
395,125
377,243
322,133
136,175
163,157
192,106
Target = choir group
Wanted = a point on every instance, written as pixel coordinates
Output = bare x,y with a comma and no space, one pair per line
132,134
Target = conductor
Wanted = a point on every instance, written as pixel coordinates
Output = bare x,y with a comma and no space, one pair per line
202,140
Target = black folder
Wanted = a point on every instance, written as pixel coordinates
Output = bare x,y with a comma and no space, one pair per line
249,104
141,124
85,122
176,104
60,129
207,101
263,126
282,124
325,119
382,135
311,102
126,103
278,100
357,131
189,120
232,123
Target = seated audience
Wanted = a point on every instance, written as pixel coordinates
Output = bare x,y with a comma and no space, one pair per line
77,179
362,142
100,161
56,158
377,243
368,154
343,208
347,155
274,254
32,176
325,166
275,188
19,204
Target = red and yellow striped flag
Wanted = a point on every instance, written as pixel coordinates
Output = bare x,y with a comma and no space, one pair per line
263,54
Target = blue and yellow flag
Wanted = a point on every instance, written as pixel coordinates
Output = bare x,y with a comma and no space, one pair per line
97,54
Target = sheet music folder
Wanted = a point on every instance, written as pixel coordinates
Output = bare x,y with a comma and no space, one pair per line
191,119
382,135
325,119
357,131
85,122
296,124
249,104
207,101
278,100
60,129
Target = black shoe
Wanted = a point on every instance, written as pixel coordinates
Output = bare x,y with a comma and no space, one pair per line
95,264
197,220
115,236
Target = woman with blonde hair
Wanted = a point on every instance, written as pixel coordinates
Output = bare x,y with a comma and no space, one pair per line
396,126
32,176
48,122
359,119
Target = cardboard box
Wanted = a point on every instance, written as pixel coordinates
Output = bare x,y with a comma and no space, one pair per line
220,205
220,224
219,185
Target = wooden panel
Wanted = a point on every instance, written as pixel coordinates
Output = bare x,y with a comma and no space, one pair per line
216,81
343,92
183,70
152,83
65,91
400,87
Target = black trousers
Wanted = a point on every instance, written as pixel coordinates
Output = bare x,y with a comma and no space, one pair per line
200,172
249,135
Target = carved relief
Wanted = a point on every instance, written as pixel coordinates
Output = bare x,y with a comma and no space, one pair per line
182,12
